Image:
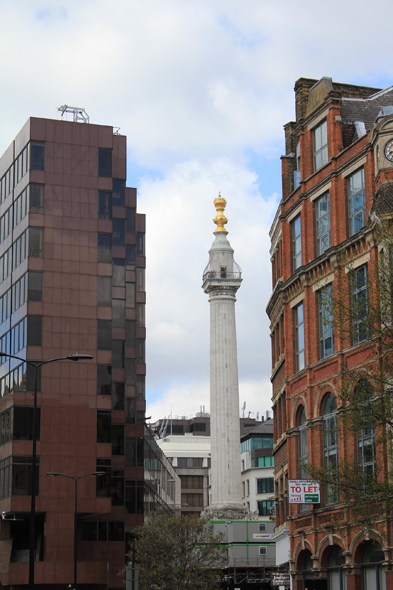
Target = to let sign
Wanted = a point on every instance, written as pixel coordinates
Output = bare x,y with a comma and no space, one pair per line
303,491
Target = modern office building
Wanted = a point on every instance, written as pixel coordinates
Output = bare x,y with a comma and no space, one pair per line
189,451
257,467
336,179
72,279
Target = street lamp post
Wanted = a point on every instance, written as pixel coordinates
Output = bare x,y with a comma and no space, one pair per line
76,479
36,365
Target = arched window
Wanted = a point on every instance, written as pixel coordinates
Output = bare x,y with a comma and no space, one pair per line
335,574
303,444
330,451
366,433
373,574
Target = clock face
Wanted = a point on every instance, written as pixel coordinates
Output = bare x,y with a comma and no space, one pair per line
389,150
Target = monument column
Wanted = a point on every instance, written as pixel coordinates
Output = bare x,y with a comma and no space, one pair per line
221,280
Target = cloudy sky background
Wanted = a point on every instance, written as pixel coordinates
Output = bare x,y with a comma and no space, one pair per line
202,89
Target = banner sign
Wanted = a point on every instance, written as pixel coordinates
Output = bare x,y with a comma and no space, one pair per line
303,491
280,579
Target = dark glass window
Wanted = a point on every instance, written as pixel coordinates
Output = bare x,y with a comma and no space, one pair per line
104,291
104,248
118,357
34,330
35,285
130,371
130,410
104,379
140,351
130,257
135,497
119,192
265,485
118,232
23,423
118,396
104,162
359,286
104,205
115,531
117,488
130,333
21,476
104,334
117,439
30,378
36,198
140,387
118,273
118,313
264,507
191,482
103,482
140,244
130,222
140,279
130,295
36,242
135,452
89,530
103,427
37,155
140,315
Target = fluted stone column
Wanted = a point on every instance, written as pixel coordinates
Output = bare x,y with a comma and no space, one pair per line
221,280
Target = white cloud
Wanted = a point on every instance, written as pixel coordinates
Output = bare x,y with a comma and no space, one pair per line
196,86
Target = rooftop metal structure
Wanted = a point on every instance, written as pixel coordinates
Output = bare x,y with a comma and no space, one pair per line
78,113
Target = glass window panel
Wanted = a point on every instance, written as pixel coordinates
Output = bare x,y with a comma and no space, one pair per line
35,280
36,242
140,244
118,273
118,396
140,279
104,379
130,333
130,295
104,334
118,313
130,221
104,248
118,357
130,371
130,410
104,427
117,439
37,155
104,291
104,162
130,257
118,233
34,330
119,192
23,423
36,198
104,205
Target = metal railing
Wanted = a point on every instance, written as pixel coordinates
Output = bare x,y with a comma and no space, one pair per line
212,275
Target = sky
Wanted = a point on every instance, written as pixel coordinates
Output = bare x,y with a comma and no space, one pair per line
202,89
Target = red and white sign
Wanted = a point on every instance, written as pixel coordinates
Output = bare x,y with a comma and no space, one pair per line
303,491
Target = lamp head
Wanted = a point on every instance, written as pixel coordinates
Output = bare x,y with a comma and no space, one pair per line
79,357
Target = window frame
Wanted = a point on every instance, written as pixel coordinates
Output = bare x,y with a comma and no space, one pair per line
329,442
299,329
319,218
360,329
320,151
352,194
296,240
325,320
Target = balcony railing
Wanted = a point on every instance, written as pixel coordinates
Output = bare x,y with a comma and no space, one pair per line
212,275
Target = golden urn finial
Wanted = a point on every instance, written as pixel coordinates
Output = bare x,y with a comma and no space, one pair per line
220,220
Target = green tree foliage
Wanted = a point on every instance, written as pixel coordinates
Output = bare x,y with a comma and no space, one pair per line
360,309
178,553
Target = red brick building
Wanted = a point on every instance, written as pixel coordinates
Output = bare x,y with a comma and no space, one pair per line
72,278
337,162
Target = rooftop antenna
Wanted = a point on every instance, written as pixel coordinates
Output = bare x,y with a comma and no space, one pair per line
243,408
78,113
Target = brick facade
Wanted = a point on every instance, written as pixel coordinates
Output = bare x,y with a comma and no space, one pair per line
348,116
